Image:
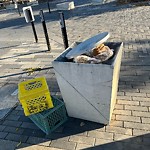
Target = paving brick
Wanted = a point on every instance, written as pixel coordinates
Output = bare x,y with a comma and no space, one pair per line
134,145
128,118
19,107
146,141
135,94
145,104
137,132
29,125
20,113
24,119
137,125
140,108
146,120
7,145
128,102
122,112
116,123
13,130
34,133
2,127
82,139
16,137
127,138
141,114
22,146
12,123
63,144
83,146
144,90
141,99
119,130
39,147
14,112
117,106
102,141
3,135
13,117
148,95
101,135
39,141
120,94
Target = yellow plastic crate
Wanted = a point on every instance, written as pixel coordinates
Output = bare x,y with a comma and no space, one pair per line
34,96
32,86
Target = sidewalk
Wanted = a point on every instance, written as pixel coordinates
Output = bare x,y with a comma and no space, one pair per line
129,128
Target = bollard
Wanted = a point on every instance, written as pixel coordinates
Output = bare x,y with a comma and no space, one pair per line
17,7
45,29
63,30
48,5
32,24
34,32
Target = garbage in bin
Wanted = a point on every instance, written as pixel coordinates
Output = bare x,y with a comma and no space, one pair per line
86,46
92,50
97,55
89,90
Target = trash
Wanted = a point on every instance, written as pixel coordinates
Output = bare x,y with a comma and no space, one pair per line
91,51
97,55
87,45
82,124
19,144
31,70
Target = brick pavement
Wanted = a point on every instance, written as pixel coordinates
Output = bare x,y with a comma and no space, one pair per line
130,124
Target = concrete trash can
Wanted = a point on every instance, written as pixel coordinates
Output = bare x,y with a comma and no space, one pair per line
89,90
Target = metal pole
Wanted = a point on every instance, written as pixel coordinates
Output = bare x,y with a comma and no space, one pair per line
45,29
63,29
19,10
48,5
33,27
17,7
34,31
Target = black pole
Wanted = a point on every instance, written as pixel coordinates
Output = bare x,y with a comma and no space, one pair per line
48,7
33,27
63,30
34,31
17,6
45,29
18,10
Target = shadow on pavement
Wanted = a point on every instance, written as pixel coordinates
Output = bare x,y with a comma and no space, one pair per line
35,52
134,143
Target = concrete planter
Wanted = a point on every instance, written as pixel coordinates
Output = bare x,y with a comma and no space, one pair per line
89,90
65,6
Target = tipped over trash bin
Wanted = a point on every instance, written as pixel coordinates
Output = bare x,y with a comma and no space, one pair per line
89,90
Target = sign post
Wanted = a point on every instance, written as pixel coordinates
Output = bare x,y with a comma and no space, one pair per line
28,13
